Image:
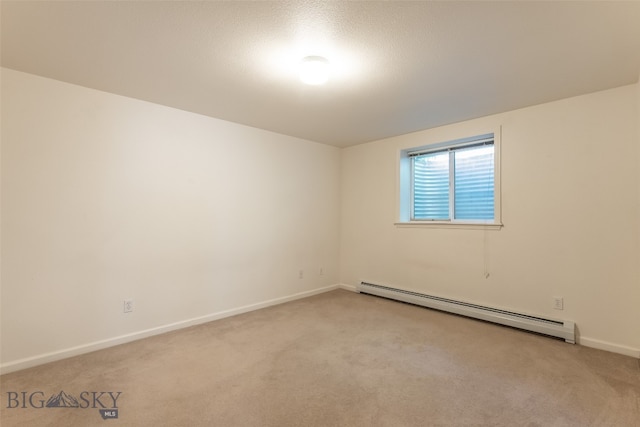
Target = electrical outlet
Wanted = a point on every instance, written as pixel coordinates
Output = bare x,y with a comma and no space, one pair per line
301,274
321,272
128,306
558,303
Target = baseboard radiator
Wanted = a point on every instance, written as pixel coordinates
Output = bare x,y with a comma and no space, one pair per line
555,328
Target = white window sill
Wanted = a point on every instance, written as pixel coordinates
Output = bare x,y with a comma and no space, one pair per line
449,224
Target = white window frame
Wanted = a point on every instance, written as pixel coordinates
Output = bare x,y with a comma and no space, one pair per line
405,183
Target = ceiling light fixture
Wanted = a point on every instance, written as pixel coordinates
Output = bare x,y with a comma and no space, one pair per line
314,70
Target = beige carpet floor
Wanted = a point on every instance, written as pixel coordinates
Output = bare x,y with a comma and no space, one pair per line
336,359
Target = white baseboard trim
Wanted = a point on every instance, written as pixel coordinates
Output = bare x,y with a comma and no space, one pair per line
346,287
41,359
608,346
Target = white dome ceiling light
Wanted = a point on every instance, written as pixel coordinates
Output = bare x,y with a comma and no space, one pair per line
314,70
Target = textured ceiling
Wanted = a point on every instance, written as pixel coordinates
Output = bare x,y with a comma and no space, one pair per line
398,67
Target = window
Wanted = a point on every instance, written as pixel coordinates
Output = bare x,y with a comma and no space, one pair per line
455,182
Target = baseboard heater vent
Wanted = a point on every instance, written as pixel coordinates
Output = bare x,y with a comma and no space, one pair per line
556,328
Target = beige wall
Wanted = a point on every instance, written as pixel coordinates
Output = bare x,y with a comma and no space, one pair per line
570,208
106,198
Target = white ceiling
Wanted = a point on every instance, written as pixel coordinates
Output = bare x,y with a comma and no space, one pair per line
398,67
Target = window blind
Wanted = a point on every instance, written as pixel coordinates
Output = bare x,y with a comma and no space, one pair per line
431,186
474,183
455,182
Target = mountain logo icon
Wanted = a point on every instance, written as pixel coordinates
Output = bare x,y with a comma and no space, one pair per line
62,400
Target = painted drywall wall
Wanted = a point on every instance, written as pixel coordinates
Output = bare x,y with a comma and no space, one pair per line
570,208
106,198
